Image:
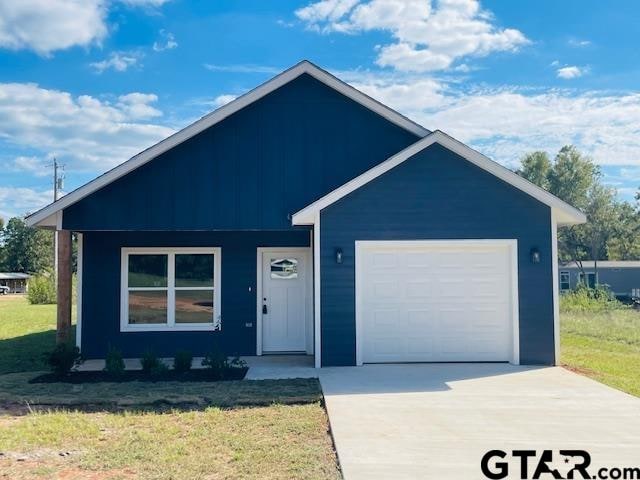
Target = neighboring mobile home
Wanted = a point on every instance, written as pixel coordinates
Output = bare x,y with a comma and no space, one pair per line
306,217
622,277
16,282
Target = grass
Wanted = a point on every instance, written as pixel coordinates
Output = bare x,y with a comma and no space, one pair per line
151,431
603,345
26,331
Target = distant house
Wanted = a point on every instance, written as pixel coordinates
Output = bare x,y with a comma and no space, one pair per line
17,282
622,277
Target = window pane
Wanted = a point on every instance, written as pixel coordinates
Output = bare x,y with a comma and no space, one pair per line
147,307
194,270
284,268
148,270
194,306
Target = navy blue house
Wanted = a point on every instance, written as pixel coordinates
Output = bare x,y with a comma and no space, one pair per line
306,217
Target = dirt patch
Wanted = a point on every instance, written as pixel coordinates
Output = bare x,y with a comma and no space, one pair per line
580,370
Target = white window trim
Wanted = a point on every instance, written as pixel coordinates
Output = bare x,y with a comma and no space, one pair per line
568,274
170,326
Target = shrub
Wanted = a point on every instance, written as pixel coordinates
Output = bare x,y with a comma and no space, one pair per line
237,362
149,361
151,364
216,362
63,358
584,299
182,361
114,363
42,290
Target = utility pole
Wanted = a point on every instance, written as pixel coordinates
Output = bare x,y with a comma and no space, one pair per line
57,185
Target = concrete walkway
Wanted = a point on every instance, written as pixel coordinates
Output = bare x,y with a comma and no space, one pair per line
438,420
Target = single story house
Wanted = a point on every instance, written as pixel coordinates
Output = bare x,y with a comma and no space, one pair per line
307,217
622,277
16,281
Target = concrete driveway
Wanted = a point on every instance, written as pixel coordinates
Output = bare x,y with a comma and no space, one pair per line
438,420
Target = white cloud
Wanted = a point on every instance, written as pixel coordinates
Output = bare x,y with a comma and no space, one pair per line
117,61
168,42
571,71
427,37
221,100
85,132
507,122
48,25
45,26
17,201
574,42
34,165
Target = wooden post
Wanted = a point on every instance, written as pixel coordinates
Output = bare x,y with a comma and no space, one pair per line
63,332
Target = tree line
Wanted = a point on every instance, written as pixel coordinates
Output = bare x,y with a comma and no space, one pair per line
612,231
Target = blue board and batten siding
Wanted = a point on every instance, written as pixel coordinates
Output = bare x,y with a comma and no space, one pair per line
247,174
250,171
436,195
101,291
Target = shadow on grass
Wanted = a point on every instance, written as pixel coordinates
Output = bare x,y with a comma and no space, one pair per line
25,353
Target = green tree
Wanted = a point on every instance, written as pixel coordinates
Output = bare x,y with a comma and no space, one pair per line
572,176
535,168
625,244
26,249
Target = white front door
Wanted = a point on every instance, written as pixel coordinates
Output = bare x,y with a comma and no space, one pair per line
284,303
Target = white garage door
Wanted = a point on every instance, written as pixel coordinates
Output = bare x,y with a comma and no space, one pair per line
433,301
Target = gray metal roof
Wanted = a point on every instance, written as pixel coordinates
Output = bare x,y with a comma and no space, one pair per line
605,264
13,276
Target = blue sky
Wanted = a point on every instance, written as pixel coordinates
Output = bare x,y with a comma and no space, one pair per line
95,81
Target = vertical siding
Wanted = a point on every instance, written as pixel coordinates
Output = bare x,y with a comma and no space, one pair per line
436,195
251,170
101,290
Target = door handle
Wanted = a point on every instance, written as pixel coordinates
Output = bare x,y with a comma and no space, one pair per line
264,309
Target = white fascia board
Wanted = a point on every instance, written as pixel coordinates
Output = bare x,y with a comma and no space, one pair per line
564,213
36,219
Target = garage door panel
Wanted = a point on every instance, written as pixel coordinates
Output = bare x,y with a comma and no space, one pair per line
429,303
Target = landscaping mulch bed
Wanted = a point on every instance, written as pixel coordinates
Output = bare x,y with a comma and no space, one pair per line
203,375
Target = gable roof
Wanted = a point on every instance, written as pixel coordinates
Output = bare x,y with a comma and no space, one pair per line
49,215
565,214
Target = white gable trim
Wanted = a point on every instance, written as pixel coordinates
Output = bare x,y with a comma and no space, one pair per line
565,214
39,217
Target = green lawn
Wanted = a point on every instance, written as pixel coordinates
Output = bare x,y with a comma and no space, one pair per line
26,331
603,345
164,430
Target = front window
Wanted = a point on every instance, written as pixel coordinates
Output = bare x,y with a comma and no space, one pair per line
170,289
565,284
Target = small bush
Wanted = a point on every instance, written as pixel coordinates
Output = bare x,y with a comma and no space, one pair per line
114,363
63,358
182,361
149,362
585,299
42,290
237,362
216,362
